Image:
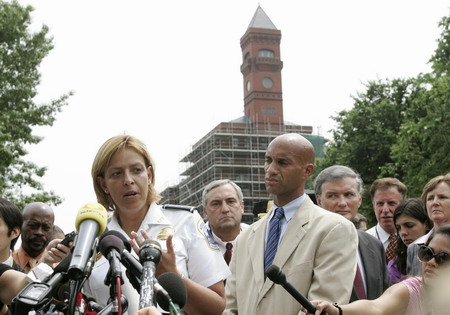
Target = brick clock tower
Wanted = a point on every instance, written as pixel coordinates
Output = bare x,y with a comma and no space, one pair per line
261,68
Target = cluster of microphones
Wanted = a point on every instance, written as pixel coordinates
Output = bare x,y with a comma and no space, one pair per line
62,292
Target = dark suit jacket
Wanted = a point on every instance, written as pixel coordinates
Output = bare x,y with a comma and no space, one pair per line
373,259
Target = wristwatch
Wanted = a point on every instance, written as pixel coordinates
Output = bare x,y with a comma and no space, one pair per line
339,308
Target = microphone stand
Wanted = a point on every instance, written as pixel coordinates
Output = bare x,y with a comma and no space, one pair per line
114,291
108,309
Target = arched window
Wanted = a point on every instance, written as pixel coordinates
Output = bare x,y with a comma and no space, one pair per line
266,53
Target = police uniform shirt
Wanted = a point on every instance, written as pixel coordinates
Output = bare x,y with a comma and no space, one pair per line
221,244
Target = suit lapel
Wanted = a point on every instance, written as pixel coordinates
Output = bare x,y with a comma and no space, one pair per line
294,233
291,239
368,259
256,251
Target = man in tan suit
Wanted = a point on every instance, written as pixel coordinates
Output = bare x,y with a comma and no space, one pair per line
316,248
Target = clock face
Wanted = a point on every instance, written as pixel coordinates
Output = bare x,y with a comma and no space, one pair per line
267,82
248,85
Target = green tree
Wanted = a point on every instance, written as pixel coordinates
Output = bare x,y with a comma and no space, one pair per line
423,143
21,52
398,127
365,133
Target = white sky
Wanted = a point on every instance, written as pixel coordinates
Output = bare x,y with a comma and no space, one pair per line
168,72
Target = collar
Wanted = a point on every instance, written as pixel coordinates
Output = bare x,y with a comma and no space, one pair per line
289,208
383,236
218,239
23,259
424,238
9,261
153,217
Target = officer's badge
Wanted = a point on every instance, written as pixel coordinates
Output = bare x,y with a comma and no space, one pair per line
164,233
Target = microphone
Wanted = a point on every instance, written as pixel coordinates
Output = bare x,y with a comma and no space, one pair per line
275,274
129,261
111,246
36,295
132,265
149,255
90,223
173,290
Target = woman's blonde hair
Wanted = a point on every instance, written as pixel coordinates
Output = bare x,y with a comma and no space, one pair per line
103,159
431,185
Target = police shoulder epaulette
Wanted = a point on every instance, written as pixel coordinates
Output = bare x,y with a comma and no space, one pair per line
179,207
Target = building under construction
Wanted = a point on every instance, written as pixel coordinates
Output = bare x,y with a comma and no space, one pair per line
236,149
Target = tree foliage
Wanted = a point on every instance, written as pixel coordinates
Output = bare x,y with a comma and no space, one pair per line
21,53
398,127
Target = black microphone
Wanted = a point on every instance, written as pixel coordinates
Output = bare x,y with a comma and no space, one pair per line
174,291
111,246
36,295
90,223
149,255
129,261
275,274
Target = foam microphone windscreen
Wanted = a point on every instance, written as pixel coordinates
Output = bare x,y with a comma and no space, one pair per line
119,235
92,211
111,242
275,274
175,287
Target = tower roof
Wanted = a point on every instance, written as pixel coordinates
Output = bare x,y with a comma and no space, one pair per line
261,20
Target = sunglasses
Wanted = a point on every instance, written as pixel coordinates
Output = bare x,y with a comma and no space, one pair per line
426,254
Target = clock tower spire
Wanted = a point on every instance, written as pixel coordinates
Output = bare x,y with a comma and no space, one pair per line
261,70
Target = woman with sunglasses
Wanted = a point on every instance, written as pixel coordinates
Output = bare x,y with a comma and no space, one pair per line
413,296
436,198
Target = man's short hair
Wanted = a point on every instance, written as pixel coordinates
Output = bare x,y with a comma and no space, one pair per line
336,172
221,182
12,217
386,183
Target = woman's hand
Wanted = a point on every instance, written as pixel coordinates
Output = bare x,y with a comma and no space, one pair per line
323,306
148,311
168,258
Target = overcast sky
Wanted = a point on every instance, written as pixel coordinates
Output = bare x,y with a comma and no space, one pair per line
169,71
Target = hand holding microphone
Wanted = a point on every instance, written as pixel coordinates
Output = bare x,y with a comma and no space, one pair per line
149,255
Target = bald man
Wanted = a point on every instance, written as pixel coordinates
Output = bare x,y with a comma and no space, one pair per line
37,229
316,249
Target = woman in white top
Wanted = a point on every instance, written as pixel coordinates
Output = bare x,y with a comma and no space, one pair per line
123,174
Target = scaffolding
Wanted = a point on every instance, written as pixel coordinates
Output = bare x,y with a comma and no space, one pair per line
233,150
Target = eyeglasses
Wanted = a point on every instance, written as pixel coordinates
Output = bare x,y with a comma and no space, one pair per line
426,254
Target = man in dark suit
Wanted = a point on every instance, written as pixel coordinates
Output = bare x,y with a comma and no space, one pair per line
339,189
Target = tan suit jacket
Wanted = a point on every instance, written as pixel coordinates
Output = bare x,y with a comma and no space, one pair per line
317,254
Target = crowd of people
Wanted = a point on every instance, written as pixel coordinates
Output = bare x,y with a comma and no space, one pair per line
323,249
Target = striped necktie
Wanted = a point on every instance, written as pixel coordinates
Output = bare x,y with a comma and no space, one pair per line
273,237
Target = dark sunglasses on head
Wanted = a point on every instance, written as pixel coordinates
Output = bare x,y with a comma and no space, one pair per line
426,254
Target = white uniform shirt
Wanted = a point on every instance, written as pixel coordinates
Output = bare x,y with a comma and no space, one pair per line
222,245
194,258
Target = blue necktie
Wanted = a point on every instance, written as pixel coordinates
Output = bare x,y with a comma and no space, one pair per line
273,237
